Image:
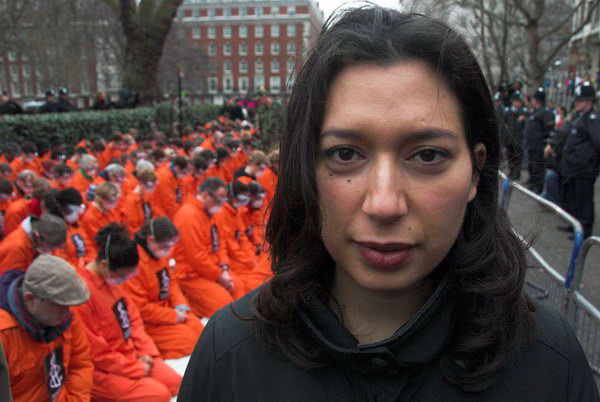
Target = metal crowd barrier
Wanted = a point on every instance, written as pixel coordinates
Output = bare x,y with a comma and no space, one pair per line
547,284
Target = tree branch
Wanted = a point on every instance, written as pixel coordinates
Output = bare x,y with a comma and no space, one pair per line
114,6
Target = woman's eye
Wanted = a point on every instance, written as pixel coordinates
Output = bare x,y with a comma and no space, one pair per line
430,156
344,154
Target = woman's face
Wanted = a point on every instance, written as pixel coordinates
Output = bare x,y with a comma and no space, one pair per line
394,174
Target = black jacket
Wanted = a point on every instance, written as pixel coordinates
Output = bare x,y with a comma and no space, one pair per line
581,153
515,126
231,364
538,127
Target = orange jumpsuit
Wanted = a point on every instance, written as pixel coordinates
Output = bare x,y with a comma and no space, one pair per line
269,182
198,255
241,252
18,165
94,219
137,210
4,205
81,183
170,191
16,251
117,338
156,294
16,212
67,358
191,185
77,249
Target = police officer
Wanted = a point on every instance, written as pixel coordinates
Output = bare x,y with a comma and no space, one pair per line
515,117
64,103
580,161
51,105
9,106
538,127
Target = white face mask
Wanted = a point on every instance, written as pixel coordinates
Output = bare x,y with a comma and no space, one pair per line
241,201
161,253
214,209
72,217
257,204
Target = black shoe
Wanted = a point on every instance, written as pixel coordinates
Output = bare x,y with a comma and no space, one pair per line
565,228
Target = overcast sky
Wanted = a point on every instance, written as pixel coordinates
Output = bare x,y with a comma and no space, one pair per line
329,5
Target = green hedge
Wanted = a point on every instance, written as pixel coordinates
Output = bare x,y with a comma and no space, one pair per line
72,127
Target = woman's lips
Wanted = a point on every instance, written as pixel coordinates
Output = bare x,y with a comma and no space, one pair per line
384,255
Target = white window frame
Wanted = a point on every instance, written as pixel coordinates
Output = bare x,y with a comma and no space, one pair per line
274,31
227,31
275,48
196,33
212,32
259,48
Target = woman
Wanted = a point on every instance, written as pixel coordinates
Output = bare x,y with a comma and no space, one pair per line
396,276
164,309
127,366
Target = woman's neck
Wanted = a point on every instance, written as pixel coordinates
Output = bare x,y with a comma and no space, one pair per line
371,315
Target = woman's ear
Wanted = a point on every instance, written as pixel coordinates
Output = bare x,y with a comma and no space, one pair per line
480,156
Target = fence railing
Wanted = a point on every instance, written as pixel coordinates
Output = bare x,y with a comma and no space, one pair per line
545,282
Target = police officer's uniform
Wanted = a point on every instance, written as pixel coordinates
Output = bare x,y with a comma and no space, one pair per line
580,162
515,118
50,107
540,124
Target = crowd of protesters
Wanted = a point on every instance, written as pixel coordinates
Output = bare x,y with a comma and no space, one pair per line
559,147
111,255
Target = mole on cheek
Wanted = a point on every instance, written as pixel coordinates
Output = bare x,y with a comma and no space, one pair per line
349,181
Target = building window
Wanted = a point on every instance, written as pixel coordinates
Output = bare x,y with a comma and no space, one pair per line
212,67
258,11
274,84
258,66
14,73
258,31
196,33
243,84
259,82
212,32
14,88
291,10
227,84
26,71
243,11
274,48
291,30
291,65
227,67
212,84
243,30
258,48
227,12
227,31
181,13
291,48
243,49
274,31
227,49
196,12
274,66
27,88
211,14
274,10
243,67
12,56
212,49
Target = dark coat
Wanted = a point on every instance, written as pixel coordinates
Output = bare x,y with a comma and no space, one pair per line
514,137
230,363
581,153
538,127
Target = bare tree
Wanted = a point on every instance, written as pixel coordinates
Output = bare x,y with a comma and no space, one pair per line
145,25
13,20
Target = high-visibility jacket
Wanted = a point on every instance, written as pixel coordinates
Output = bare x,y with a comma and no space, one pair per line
78,248
18,165
137,209
170,191
95,219
16,251
269,182
200,249
156,293
114,328
63,366
15,214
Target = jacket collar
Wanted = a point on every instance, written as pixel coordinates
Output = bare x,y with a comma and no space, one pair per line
415,346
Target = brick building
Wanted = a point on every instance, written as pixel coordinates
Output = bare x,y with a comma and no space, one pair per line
250,46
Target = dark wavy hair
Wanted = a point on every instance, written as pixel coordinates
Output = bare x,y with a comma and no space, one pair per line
486,265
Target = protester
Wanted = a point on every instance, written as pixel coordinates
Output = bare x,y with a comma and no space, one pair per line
102,211
46,346
396,277
33,237
163,308
201,255
127,366
170,185
143,203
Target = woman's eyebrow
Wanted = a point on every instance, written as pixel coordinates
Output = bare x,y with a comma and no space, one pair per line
415,136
